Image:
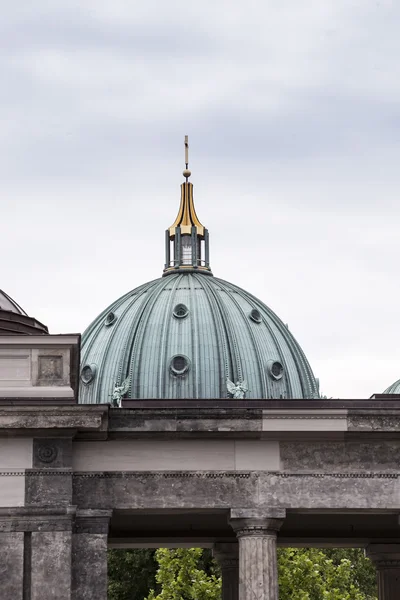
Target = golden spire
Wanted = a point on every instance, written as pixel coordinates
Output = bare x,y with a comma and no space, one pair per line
187,246
187,217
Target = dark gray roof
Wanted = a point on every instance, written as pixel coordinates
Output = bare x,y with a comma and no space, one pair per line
15,321
7,303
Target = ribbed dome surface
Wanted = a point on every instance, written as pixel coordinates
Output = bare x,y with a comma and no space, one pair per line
183,336
394,388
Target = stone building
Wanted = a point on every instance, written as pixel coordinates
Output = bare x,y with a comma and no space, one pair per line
192,419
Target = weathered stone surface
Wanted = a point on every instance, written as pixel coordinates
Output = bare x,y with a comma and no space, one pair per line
43,417
338,491
48,487
11,566
89,567
258,515
89,555
164,490
221,421
335,456
353,472
51,565
378,421
223,490
35,518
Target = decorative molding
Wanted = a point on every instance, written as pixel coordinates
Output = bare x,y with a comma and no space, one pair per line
297,417
168,414
188,474
339,475
386,564
255,531
163,475
227,563
48,473
47,453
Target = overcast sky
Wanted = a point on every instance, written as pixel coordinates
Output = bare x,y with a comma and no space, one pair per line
293,115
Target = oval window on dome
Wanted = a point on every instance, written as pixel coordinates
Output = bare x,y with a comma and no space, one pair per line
110,319
275,369
179,365
181,311
255,316
88,373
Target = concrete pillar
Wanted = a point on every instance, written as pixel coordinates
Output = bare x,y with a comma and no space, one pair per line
89,555
257,531
386,558
11,565
227,556
50,565
35,553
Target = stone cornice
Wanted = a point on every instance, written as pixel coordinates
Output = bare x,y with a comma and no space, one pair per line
91,421
92,521
37,518
297,418
96,421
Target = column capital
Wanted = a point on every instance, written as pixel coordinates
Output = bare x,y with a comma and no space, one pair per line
384,556
256,522
92,521
226,554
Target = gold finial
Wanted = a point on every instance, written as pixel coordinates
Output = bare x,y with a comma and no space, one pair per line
186,172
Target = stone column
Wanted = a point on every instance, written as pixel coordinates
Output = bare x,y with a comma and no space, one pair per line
227,556
386,558
89,555
35,553
11,565
50,565
257,531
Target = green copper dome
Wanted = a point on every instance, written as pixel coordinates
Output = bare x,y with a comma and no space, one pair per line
183,336
191,335
394,388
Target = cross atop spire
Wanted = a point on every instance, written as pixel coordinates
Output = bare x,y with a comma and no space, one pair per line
186,172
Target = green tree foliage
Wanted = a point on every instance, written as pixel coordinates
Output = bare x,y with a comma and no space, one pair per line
131,574
364,572
311,574
181,576
304,574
